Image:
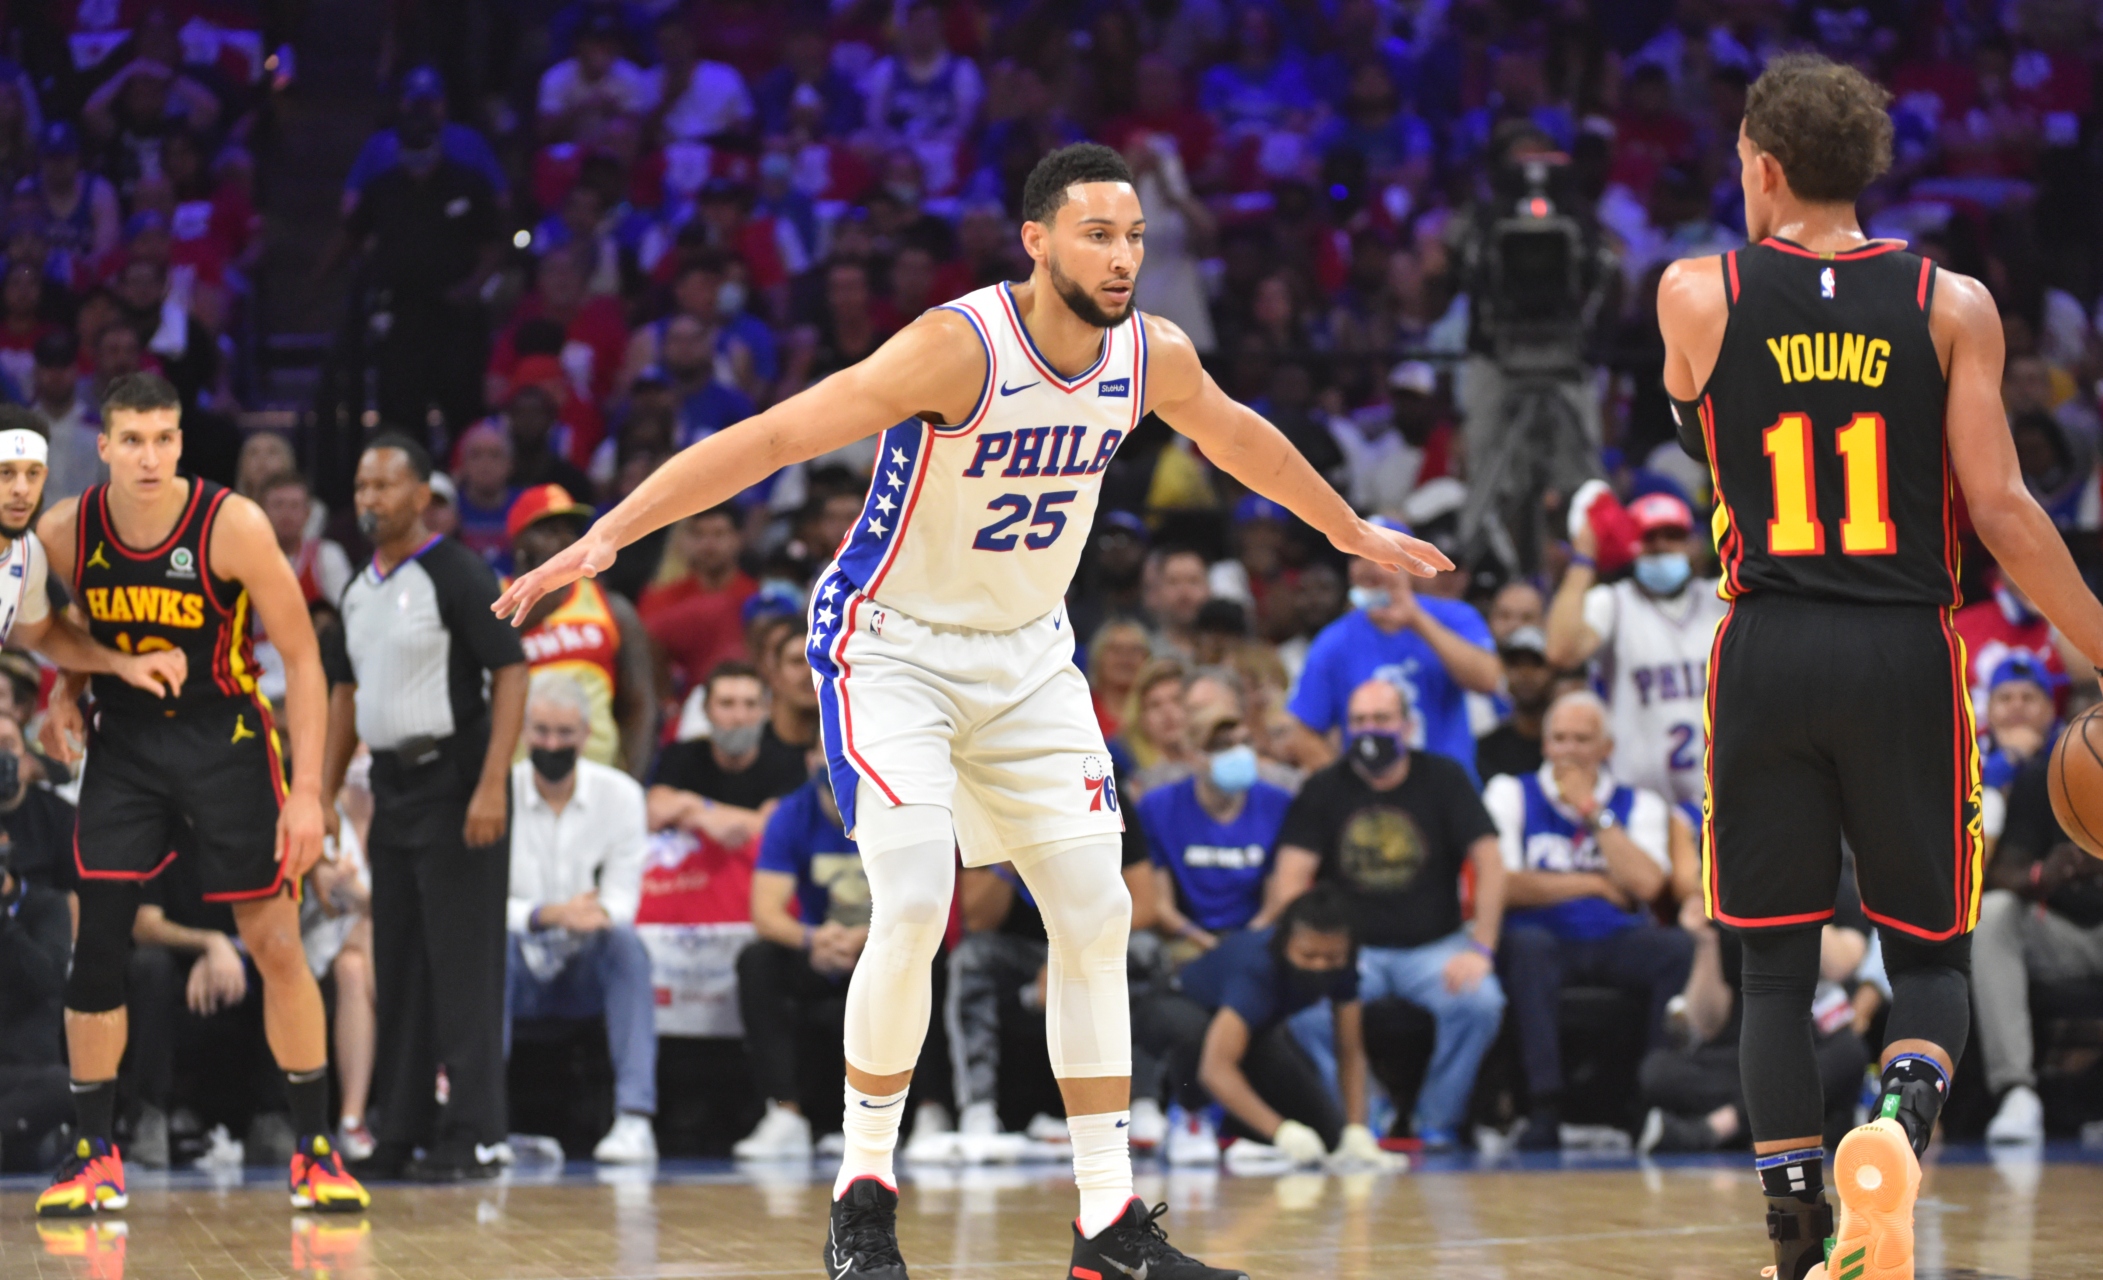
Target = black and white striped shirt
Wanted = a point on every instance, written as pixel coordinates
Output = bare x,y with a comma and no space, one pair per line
419,643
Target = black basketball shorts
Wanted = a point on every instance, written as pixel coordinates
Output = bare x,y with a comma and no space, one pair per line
1828,718
209,781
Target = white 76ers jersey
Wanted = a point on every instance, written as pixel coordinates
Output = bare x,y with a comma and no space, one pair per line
22,573
1654,660
981,524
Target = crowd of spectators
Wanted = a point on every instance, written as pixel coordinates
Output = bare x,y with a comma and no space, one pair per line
691,210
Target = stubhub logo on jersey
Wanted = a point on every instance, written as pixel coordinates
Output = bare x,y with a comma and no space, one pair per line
1043,451
1114,388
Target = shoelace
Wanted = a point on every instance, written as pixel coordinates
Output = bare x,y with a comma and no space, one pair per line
872,1233
1149,1239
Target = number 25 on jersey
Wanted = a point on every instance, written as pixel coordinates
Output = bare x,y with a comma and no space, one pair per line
1865,528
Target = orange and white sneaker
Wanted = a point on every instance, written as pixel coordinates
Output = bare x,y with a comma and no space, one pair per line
319,1181
91,1179
1878,1178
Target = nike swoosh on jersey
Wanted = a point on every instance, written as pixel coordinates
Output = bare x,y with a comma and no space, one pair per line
881,1106
1007,390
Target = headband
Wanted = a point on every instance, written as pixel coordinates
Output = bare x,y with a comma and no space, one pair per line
21,443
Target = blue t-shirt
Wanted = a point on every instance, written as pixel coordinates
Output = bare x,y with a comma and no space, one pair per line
803,841
1351,651
1241,974
1218,866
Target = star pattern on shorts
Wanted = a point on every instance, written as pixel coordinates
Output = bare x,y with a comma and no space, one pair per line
831,589
898,458
825,617
892,480
877,527
884,503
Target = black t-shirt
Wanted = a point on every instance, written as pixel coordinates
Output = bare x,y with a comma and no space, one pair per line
427,233
40,834
691,766
1505,750
1398,852
2031,832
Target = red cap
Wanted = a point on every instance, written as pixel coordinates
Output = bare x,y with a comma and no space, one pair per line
1655,511
540,502
538,371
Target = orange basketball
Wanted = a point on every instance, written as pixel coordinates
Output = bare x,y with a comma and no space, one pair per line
2075,780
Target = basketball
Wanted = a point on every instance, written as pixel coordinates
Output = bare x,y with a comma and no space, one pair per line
2076,780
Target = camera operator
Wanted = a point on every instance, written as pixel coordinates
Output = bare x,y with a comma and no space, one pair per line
1532,262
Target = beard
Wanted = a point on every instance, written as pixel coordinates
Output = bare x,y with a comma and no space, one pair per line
16,532
1083,303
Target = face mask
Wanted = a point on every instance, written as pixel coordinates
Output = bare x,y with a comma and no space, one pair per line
1664,573
1375,751
554,764
369,524
739,741
730,298
1309,984
1234,770
775,167
1370,598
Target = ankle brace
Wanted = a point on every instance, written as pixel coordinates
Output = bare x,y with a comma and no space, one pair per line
1913,1087
1801,1230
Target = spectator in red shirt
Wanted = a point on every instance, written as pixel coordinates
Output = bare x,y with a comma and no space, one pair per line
696,616
594,334
2002,626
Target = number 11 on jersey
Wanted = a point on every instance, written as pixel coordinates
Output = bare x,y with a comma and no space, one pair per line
1866,528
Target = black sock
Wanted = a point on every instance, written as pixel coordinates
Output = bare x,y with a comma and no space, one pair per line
1799,1174
1912,1089
309,1094
95,1107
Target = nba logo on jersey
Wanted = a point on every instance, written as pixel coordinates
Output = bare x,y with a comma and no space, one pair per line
1102,788
1825,283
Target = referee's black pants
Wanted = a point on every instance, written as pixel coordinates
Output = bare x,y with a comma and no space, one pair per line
438,952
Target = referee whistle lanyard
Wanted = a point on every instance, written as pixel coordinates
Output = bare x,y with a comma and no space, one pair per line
378,575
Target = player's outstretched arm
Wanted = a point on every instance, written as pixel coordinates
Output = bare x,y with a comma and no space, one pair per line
245,550
936,364
61,637
1240,442
2018,532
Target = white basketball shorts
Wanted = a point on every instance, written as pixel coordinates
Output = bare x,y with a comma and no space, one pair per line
995,726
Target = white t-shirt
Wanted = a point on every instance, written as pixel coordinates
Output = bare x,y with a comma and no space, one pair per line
624,88
715,101
1654,661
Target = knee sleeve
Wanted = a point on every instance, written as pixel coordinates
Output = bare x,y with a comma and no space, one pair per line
1930,990
1080,890
892,987
1777,1055
108,908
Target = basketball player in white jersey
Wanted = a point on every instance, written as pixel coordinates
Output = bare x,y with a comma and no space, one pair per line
26,619
953,714
1655,629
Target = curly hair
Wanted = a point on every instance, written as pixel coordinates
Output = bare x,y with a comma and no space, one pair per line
1045,190
1824,122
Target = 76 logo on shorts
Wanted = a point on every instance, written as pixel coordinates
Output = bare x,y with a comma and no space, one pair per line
1102,786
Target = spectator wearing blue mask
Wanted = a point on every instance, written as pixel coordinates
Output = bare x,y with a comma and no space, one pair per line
1436,651
1394,827
1211,835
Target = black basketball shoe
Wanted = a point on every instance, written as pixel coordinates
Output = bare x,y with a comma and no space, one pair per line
863,1241
1136,1248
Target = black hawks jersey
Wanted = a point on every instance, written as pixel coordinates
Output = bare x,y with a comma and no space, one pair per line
1823,426
165,597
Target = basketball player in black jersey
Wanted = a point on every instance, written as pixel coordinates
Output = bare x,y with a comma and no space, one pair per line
160,561
1839,387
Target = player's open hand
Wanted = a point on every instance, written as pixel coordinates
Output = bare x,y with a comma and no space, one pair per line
487,815
160,673
1387,548
587,557
299,833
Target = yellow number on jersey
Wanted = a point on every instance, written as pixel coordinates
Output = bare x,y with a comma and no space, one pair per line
1866,529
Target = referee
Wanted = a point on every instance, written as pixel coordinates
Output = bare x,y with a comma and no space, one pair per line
406,673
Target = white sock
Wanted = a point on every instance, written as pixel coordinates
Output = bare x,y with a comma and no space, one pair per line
870,1127
1102,1167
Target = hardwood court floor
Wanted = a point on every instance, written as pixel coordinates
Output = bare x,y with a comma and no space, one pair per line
1977,1221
